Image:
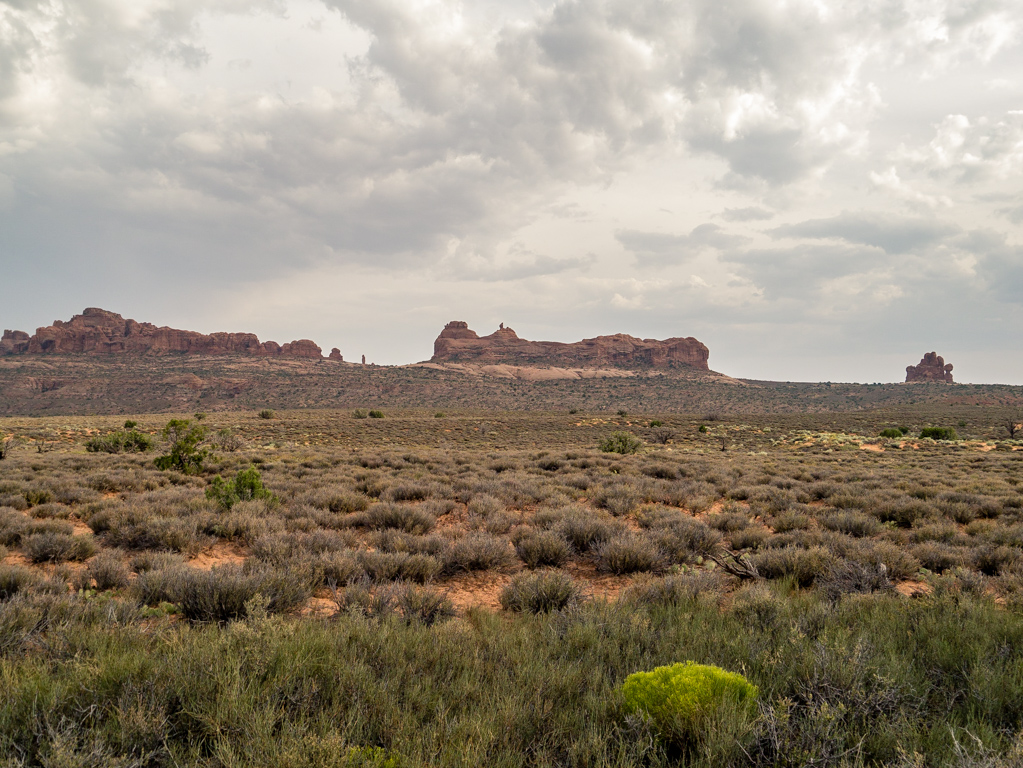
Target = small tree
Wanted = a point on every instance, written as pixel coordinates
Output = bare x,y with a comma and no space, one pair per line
6,446
620,442
1013,424
185,454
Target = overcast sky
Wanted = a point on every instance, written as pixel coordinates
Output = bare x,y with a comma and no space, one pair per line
816,190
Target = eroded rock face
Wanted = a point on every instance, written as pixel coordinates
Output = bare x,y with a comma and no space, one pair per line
458,343
335,354
97,331
931,368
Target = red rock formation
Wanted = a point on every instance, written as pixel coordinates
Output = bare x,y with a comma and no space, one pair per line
335,354
931,368
97,331
457,343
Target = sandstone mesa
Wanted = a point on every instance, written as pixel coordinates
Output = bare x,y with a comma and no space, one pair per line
458,343
98,332
931,368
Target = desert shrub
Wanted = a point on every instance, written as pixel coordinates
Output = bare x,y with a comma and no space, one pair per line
749,538
892,433
108,570
337,499
729,522
400,566
621,442
266,413
850,577
676,589
802,565
129,441
376,414
791,521
627,553
224,593
585,530
154,561
484,505
226,440
991,560
852,523
185,454
542,548
57,547
15,579
540,592
682,537
938,557
400,516
619,500
408,491
336,569
897,562
903,513
477,552
938,433
360,413
421,605
247,485
392,540
690,703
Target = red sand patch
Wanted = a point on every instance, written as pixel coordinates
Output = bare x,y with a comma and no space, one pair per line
221,553
482,590
872,447
913,588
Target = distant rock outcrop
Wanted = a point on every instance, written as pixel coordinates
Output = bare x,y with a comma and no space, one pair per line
458,343
335,354
97,331
931,368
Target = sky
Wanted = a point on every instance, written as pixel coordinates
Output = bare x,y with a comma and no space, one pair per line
817,190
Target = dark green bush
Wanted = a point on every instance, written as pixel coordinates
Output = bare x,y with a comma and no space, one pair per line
540,592
938,433
266,413
130,441
376,414
247,485
185,454
621,442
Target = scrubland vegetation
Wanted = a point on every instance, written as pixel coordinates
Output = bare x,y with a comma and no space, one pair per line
330,590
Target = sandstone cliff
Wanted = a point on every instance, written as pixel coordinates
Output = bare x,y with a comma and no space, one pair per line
931,368
98,332
458,343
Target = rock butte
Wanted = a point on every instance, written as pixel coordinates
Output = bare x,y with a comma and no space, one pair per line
458,343
99,332
931,368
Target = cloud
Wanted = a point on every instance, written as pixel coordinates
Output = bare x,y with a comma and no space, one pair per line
660,249
966,151
802,272
893,234
746,214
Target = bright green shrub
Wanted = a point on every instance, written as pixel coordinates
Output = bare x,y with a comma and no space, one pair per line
246,486
130,441
689,702
938,433
185,454
620,442
892,433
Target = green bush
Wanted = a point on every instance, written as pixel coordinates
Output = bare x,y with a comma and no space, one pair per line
892,433
938,433
266,413
376,414
620,442
185,454
359,413
130,441
247,485
687,702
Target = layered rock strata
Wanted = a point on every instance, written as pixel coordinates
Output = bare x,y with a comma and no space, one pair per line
931,368
99,332
458,343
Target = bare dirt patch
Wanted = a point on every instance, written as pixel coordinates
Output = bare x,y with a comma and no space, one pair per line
221,553
913,588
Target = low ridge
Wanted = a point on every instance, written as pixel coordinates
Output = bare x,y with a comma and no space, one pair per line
458,343
97,331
